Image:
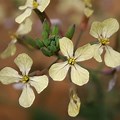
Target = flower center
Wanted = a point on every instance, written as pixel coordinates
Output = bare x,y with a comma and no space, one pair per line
71,61
25,79
35,4
104,41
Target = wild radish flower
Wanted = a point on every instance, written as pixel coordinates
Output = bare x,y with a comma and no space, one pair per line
9,75
74,104
84,6
23,29
29,6
79,75
103,31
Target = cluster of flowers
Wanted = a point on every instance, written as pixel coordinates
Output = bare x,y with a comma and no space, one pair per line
58,71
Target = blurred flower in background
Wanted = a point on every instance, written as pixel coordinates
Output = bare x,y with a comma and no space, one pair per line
75,9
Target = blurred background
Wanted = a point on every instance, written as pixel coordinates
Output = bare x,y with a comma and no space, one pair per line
100,98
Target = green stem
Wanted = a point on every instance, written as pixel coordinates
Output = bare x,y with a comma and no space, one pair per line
27,42
42,16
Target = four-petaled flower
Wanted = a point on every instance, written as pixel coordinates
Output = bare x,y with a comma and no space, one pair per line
103,31
29,6
23,29
9,75
79,75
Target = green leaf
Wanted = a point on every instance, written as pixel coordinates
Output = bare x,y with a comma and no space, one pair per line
70,32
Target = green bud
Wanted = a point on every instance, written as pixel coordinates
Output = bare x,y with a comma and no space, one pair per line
46,26
52,48
57,41
46,42
45,35
55,30
39,43
53,43
46,52
70,32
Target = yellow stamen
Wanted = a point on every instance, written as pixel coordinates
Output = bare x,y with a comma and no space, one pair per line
104,41
35,4
25,79
71,61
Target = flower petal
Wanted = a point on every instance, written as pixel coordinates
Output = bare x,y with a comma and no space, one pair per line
24,28
110,26
88,11
66,47
98,50
27,97
10,50
24,15
9,75
39,82
43,4
112,57
96,29
84,53
24,62
79,75
58,71
74,105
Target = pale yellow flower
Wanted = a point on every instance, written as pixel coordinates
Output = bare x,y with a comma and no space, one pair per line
103,31
29,6
23,29
9,75
10,50
81,6
79,75
74,104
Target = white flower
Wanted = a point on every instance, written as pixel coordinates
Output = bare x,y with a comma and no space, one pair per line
84,6
74,104
10,50
103,31
23,29
29,6
79,75
9,75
